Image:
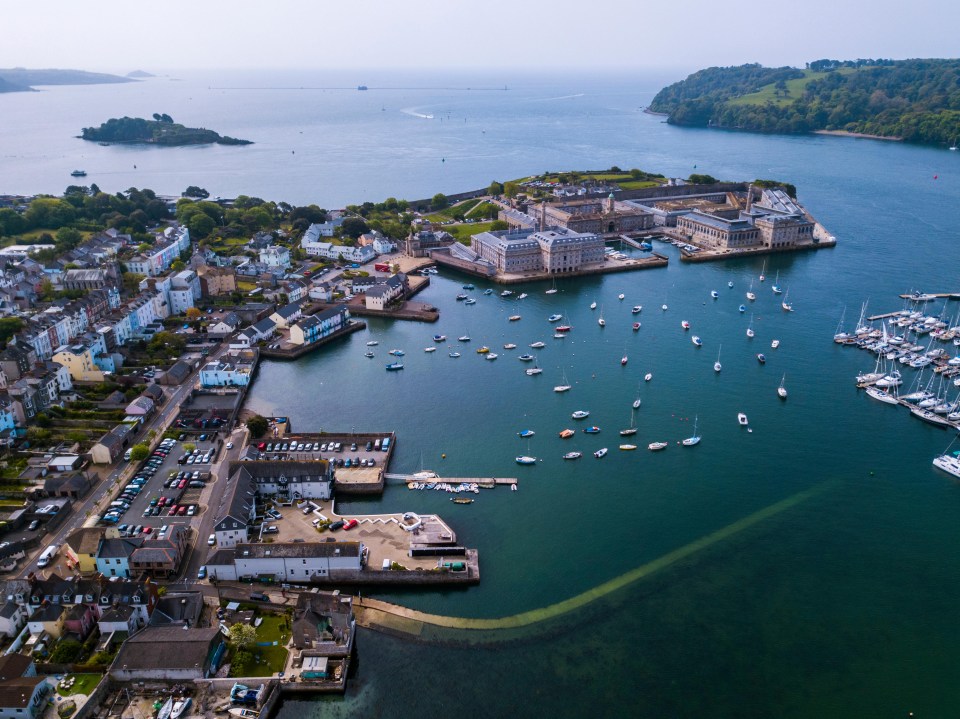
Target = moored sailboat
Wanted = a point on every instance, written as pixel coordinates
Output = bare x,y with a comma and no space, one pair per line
693,439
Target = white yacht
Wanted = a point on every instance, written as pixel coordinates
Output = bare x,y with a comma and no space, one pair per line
949,463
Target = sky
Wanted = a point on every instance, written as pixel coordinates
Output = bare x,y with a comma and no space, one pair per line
113,36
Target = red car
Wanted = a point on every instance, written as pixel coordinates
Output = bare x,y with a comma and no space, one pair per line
147,530
182,484
350,524
182,510
173,511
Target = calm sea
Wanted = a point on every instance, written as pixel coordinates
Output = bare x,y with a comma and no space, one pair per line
840,601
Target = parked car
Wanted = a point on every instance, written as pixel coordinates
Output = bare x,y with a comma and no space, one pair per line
229,445
337,525
211,540
202,573
271,530
33,525
350,524
259,597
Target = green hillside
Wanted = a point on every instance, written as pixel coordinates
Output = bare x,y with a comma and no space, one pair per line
916,100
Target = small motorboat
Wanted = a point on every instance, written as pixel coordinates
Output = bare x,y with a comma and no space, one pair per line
439,338
742,308
523,296
636,326
514,318
462,296
685,325
488,291
564,328
775,343
468,286
580,414
558,335
714,294
78,173
509,346
591,430
636,403
372,343
524,459
533,371
600,452
461,500
760,358
165,710
628,447
429,349
454,355
554,318
637,309
526,358
538,345
742,419
697,341
470,301
368,354
621,296
394,366
490,356
593,305
657,446
483,350
648,376
506,293
563,388
573,455
527,433
730,283
663,307
623,360
567,434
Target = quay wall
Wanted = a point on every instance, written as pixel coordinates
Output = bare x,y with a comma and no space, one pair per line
714,255
282,354
609,267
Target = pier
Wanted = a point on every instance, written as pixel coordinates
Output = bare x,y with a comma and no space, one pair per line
482,481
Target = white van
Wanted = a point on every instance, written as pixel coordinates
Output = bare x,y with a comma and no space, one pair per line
47,556
126,455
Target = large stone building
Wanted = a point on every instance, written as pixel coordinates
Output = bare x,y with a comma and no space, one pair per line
555,250
601,217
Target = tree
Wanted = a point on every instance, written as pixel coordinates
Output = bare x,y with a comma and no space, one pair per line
511,189
139,452
68,651
495,188
257,425
193,313
197,192
200,225
439,201
68,238
242,635
131,282
498,225
354,227
178,265
189,447
702,179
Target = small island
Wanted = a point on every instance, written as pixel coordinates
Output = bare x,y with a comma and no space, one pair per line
161,130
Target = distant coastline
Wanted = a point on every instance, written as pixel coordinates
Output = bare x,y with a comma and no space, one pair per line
19,79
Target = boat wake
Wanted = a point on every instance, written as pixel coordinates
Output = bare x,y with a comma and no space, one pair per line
413,113
561,97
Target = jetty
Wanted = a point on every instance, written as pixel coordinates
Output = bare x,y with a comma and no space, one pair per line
481,481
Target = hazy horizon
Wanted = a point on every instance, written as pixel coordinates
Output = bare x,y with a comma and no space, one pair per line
497,36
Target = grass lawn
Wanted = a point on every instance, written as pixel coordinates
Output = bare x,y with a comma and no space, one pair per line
269,630
795,89
246,286
463,232
272,660
446,214
84,684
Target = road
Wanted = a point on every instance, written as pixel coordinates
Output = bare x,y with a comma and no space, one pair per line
86,510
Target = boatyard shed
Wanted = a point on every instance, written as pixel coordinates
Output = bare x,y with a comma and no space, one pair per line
170,652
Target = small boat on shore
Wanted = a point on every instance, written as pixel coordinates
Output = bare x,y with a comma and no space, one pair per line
165,710
524,459
573,455
180,707
600,452
657,446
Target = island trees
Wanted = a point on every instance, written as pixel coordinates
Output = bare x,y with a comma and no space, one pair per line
258,426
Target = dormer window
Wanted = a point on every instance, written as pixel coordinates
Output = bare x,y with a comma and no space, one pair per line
89,597
66,598
136,599
34,599
19,598
104,599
